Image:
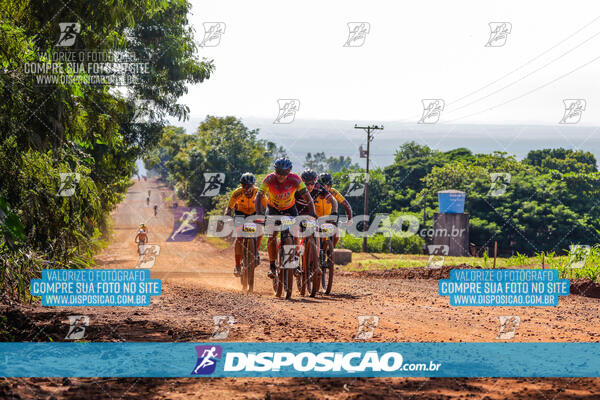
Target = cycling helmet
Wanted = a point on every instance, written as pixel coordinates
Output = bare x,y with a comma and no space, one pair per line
309,175
325,179
142,225
283,166
248,178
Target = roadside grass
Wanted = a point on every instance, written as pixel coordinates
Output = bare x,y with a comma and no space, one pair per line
382,261
572,266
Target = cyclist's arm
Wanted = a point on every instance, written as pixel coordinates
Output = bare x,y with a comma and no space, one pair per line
309,201
348,209
334,204
258,202
342,200
232,202
260,195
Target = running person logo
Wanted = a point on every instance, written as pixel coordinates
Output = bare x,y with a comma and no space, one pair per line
357,184
68,182
357,33
223,323
148,257
212,34
68,33
498,33
508,327
500,181
432,110
212,183
143,111
366,326
290,259
185,225
77,327
574,109
578,254
436,255
287,111
207,359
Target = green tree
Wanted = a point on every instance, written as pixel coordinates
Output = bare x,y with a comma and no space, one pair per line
220,144
75,127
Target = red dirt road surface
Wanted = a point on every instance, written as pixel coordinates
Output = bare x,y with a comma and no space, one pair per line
198,284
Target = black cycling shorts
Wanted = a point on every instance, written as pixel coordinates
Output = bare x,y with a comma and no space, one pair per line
237,213
292,211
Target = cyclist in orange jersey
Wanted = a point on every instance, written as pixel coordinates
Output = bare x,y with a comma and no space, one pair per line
326,180
280,188
242,204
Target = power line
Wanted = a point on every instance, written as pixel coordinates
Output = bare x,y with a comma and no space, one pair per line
525,64
526,76
530,91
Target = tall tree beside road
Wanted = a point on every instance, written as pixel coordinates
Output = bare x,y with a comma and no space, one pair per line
79,127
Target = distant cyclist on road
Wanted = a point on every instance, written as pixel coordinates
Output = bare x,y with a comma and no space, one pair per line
326,180
155,209
141,239
147,201
241,203
280,188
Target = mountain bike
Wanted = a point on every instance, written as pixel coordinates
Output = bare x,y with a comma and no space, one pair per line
283,281
326,257
249,260
141,247
309,279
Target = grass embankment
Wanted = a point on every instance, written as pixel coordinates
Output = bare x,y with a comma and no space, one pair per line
569,266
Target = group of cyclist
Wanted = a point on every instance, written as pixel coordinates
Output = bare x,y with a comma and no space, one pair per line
283,193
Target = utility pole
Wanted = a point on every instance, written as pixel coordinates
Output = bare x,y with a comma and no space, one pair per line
369,129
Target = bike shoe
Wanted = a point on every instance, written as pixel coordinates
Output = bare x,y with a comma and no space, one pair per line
271,273
236,271
257,258
297,271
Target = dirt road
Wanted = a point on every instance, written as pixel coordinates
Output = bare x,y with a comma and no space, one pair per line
198,284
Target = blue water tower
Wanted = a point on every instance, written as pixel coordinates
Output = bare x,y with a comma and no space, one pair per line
451,202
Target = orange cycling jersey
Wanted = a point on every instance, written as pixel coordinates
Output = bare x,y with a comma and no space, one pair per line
281,195
323,206
240,202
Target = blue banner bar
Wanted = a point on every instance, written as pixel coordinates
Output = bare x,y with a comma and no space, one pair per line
95,287
299,359
504,287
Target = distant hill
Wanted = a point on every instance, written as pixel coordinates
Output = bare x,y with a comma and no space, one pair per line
337,138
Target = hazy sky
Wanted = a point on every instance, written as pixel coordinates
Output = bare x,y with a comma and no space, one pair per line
414,50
